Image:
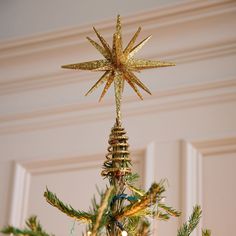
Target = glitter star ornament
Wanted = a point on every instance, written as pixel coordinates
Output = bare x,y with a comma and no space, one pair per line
118,64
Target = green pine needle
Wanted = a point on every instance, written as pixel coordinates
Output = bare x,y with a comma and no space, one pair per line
162,216
206,232
192,223
136,191
137,226
131,179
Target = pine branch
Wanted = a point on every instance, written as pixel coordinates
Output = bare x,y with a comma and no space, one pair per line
16,231
101,210
136,226
144,202
192,223
169,210
131,224
162,216
206,232
53,200
33,224
33,229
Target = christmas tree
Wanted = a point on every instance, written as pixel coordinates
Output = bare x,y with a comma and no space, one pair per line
124,209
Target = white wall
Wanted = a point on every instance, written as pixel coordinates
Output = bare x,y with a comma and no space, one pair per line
186,127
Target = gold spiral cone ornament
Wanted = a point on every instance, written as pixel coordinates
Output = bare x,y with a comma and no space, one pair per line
117,162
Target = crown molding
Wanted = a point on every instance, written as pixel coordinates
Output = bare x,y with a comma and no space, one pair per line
220,49
174,99
155,18
216,147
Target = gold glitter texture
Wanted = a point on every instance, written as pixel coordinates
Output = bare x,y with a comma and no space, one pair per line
119,65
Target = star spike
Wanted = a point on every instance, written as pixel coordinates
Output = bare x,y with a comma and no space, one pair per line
131,42
118,25
134,87
142,64
99,48
132,77
99,82
89,65
103,41
139,46
108,84
117,43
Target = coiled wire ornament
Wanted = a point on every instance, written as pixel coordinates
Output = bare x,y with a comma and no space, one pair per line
117,159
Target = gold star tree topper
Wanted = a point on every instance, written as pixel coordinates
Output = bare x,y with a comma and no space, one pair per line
118,64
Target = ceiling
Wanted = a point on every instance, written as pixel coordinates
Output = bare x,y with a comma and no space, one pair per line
26,17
